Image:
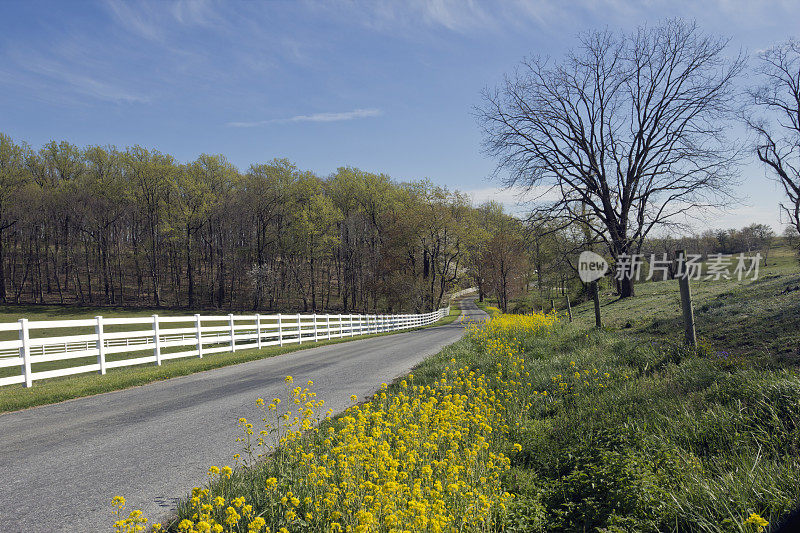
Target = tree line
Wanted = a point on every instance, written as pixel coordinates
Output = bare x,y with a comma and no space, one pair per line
134,227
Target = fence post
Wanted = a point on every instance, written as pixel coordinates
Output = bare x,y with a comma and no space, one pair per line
25,351
328,325
233,333
686,299
258,330
280,331
299,329
101,345
314,316
156,341
596,297
199,336
569,309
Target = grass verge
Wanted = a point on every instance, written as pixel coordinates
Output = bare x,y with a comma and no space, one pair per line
490,310
642,436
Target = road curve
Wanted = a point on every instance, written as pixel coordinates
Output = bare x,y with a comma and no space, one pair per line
62,463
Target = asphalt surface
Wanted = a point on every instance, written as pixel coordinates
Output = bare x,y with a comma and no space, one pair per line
61,464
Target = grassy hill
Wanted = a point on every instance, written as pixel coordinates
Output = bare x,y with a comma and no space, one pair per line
758,319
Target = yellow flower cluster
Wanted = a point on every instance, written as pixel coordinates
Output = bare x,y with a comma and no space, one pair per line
577,381
420,459
501,338
508,330
757,521
135,521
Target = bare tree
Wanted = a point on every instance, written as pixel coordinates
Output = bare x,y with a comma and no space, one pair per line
778,144
630,125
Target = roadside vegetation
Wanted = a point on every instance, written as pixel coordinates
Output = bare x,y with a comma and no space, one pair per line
642,436
490,310
542,424
426,453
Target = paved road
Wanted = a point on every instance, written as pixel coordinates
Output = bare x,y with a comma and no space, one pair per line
61,464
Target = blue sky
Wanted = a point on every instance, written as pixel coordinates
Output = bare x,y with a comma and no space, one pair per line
385,86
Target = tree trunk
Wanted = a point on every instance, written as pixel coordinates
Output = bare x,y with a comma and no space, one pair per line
626,288
189,270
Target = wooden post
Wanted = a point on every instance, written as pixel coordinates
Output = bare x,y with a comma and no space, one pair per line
101,345
199,336
328,326
316,338
552,304
569,308
596,296
25,351
156,341
233,333
686,299
258,330
280,331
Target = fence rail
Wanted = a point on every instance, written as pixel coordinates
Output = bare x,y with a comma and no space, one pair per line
166,337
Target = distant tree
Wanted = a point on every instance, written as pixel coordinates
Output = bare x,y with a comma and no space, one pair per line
778,130
508,263
792,236
632,126
756,237
151,176
13,177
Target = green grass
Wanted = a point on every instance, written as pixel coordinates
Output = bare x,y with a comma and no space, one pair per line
750,318
48,391
488,306
674,440
455,312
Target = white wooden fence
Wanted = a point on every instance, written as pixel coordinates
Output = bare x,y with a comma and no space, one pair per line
166,337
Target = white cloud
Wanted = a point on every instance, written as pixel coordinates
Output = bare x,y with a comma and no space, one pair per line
740,217
316,117
515,200
519,201
194,12
140,20
64,77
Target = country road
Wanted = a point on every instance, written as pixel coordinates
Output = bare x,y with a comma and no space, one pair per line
61,464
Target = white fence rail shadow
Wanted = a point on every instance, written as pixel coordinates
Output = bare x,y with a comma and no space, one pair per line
118,342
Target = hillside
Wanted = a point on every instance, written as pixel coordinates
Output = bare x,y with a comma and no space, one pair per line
758,318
